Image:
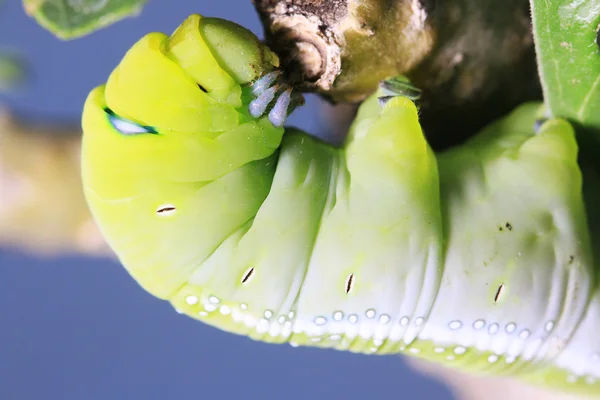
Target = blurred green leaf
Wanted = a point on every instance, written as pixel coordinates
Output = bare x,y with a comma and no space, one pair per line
565,33
12,72
70,19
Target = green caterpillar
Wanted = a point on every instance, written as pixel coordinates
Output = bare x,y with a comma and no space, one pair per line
478,257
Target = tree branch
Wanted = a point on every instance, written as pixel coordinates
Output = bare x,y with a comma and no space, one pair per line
473,60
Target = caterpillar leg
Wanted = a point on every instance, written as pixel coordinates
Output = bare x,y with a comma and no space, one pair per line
270,87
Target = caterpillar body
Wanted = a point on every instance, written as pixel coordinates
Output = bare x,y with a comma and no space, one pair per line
478,257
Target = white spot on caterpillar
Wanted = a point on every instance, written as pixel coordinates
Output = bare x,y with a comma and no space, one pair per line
404,321
244,306
268,314
250,321
316,339
493,358
454,325
210,307
349,285
450,358
353,318
510,359
414,350
191,300
338,315
335,337
263,326
214,299
202,313
281,319
225,310
493,329
460,350
384,319
166,210
549,326
248,275
294,344
320,321
477,325
419,321
439,350
510,327
370,313
291,315
524,334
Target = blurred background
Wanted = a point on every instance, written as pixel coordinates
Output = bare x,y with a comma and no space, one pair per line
73,324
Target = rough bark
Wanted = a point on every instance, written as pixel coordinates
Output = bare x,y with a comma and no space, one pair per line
473,60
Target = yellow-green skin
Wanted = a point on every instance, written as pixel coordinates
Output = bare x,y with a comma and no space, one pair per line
478,258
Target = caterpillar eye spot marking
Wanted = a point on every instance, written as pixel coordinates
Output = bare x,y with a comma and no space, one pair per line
248,275
499,293
125,126
349,283
166,210
508,226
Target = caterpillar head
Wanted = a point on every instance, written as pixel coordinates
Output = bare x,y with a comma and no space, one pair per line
186,107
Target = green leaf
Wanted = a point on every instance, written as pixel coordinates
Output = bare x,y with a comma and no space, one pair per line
70,19
565,34
12,72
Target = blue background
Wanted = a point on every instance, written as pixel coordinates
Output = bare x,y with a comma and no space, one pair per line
81,329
